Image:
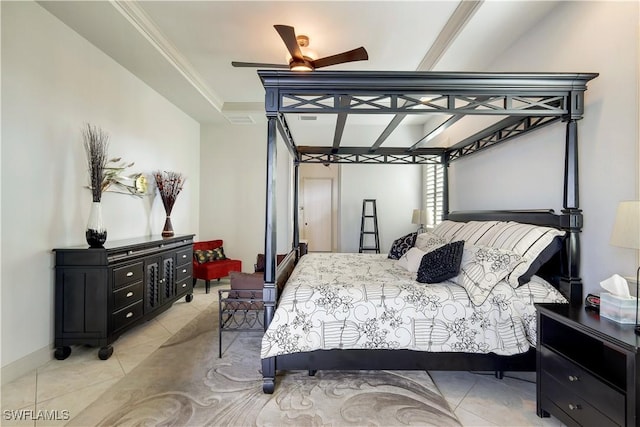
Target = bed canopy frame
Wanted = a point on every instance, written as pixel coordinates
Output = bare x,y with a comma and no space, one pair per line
521,102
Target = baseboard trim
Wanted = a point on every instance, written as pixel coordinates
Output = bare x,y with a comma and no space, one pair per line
26,364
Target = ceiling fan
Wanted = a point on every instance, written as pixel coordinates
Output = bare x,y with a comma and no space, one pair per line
301,62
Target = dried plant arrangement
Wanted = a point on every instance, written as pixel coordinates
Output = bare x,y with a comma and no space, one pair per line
96,145
169,186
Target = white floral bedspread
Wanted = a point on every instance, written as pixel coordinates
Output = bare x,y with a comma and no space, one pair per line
366,301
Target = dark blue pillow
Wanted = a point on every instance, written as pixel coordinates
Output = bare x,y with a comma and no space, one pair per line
441,264
402,245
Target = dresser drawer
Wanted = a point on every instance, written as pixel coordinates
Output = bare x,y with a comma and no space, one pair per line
583,384
183,272
127,315
579,410
184,256
183,286
122,276
127,295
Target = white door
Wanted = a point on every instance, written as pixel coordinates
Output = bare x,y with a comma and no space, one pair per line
316,214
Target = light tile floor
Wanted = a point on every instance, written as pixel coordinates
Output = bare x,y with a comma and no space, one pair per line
62,389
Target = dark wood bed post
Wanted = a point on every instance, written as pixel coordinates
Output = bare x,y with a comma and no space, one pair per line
445,185
570,282
270,247
296,210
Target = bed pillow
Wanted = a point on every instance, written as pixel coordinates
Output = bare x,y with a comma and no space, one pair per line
441,264
428,241
534,266
402,245
535,244
447,229
410,261
482,268
475,232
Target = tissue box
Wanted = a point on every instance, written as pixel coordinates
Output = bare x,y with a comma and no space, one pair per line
618,309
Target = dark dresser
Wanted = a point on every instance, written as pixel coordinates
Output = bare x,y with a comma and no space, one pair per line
102,292
587,373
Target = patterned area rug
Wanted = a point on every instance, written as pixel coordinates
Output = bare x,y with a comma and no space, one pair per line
184,383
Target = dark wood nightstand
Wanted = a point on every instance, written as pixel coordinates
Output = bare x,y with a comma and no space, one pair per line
587,368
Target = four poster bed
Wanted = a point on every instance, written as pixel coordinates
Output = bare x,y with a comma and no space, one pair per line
377,316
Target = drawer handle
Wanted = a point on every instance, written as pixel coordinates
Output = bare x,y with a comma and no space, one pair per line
573,378
184,256
130,273
129,314
129,294
184,270
574,407
184,285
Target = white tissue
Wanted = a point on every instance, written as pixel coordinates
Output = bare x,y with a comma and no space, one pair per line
616,285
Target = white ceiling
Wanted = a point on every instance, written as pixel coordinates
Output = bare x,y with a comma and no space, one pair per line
184,49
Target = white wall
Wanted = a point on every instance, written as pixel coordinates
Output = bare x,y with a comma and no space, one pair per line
396,188
397,191
233,209
53,81
598,37
232,191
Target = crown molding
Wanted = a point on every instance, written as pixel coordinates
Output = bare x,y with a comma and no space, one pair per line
149,30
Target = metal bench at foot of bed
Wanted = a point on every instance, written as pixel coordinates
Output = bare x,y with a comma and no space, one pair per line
239,311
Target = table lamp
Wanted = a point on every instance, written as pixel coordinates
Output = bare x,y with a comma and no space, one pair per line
626,234
420,218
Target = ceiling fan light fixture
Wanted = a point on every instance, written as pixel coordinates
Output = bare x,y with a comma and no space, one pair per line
300,58
304,65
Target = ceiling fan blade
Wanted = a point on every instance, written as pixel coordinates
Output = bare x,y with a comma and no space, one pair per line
288,35
359,54
258,65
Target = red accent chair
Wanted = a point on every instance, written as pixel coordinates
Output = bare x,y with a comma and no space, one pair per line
215,269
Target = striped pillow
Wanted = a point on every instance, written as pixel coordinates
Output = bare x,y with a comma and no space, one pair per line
535,244
472,232
447,229
476,232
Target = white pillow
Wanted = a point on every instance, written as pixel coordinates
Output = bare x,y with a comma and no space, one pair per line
477,232
535,244
482,268
410,261
447,229
428,241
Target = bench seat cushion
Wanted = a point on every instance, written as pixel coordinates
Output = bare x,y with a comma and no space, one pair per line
216,269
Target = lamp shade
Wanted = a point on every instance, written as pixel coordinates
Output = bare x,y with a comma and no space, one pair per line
419,216
626,229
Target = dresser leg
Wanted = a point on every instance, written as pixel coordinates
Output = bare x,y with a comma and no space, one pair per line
105,352
542,413
62,352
